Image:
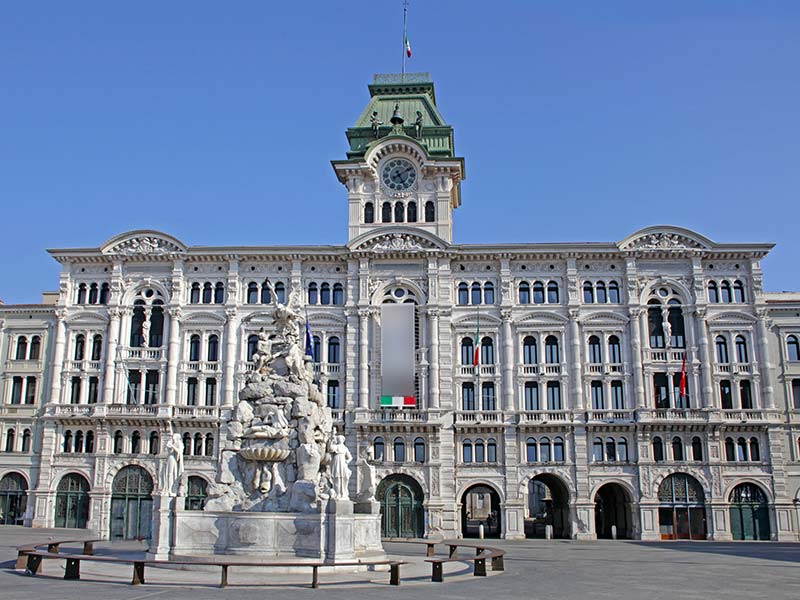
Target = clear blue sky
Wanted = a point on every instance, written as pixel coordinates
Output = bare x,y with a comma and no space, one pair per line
216,121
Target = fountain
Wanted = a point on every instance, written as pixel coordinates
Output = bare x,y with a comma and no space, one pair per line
282,487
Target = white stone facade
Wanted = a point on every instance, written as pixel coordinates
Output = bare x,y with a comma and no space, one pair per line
571,354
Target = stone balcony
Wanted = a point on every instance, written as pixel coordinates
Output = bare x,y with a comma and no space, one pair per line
161,411
611,416
478,417
20,410
129,353
24,366
525,370
603,368
665,355
327,368
469,370
84,365
201,366
398,415
733,369
543,417
682,415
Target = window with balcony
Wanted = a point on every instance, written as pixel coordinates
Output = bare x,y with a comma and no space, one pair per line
94,390
722,350
333,394
468,396
488,396
333,351
796,393
655,325
553,395
467,351
614,350
746,394
661,390
595,351
211,391
191,391
212,350
793,347
36,344
75,390
194,348
551,354
742,356
16,390
97,347
598,399
617,395
531,389
487,351
726,394
80,346
530,355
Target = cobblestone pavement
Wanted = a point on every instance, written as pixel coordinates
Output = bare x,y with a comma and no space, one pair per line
534,569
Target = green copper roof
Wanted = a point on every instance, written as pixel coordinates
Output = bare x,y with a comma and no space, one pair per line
410,92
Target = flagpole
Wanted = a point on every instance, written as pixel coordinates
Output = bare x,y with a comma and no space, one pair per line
405,17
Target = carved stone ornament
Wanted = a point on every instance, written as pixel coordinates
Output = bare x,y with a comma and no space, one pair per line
397,242
663,241
144,246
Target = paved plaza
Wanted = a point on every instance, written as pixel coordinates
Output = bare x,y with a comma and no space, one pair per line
534,569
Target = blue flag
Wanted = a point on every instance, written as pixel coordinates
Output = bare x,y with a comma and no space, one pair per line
309,341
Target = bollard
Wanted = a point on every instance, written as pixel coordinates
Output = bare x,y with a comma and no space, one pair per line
480,531
548,532
613,532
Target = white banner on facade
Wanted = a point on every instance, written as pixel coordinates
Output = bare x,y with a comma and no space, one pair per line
397,350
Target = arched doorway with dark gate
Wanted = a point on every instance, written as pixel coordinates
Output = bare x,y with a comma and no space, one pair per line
682,508
402,513
749,513
612,508
13,499
480,505
548,504
72,501
131,504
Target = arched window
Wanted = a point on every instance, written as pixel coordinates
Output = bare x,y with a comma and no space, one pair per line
544,449
213,348
658,449
491,450
198,444
208,293
82,293
266,294
22,348
67,440
316,349
399,212
154,442
487,396
475,296
726,394
30,389
598,455
79,441
480,451
333,394
531,395
598,397
97,347
600,292
325,293
80,346
338,294
466,451
746,394
488,293
487,351
219,293
313,295
741,450
252,293
104,291
611,450
613,292
378,449
677,449
741,350
793,346
468,396
117,442
738,291
194,348
89,442
755,452
386,212
655,325
93,293
595,352
333,350
430,212
713,292
467,351
196,493
538,292
26,440
622,450
588,293
530,356
675,319
280,292
552,293
551,350
463,294
722,350
419,450
399,450
194,294
697,449
252,345
725,289
524,292
136,442
614,350
187,444
531,450
369,213
558,449
211,391
36,344
730,450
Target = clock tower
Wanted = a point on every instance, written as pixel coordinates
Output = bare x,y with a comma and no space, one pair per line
401,168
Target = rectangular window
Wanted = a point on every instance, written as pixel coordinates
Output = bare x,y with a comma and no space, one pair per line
468,397
553,395
726,394
796,392
134,383
617,395
660,391
598,400
333,394
30,390
151,387
94,383
191,391
531,395
488,396
211,391
75,392
746,394
681,400
16,390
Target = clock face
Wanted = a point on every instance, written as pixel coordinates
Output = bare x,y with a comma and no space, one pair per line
399,174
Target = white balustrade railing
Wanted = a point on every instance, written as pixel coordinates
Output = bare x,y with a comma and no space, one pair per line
393,415
202,366
478,416
544,416
744,415
673,414
611,415
126,352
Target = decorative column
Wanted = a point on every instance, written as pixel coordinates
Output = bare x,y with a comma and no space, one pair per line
231,327
58,356
433,382
363,358
575,375
508,362
765,365
705,359
112,342
173,355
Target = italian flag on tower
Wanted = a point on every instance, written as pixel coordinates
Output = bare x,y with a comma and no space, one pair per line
408,47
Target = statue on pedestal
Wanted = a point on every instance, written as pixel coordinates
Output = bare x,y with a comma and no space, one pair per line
174,465
340,471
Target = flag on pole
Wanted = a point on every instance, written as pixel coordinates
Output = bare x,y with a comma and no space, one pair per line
309,341
683,378
408,46
398,401
477,356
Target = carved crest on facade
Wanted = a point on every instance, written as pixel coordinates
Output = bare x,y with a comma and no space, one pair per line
397,242
663,241
143,245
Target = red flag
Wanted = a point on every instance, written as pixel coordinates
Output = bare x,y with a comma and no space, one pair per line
683,378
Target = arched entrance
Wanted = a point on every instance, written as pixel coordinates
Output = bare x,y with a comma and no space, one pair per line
480,505
131,504
612,508
548,504
749,513
682,510
402,514
13,499
72,501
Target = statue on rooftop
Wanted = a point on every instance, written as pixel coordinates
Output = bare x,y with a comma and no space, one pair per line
375,123
418,125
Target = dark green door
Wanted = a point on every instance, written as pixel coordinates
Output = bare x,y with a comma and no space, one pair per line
13,499
72,501
401,508
131,504
749,513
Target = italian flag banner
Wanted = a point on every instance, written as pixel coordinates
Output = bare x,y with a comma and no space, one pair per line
398,401
408,47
